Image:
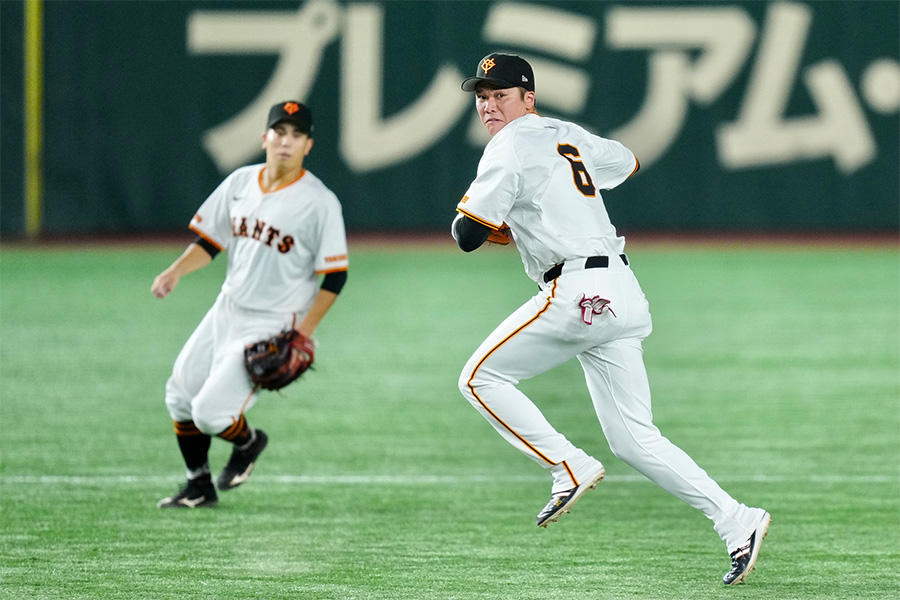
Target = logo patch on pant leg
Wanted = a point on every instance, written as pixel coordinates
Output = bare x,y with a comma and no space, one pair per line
593,305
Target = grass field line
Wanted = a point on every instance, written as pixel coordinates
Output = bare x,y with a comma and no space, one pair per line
412,479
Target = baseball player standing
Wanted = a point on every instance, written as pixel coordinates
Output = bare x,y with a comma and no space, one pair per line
282,228
539,181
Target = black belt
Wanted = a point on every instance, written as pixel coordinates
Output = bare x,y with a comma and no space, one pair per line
592,262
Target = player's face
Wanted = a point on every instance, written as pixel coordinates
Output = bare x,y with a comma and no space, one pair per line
286,145
498,108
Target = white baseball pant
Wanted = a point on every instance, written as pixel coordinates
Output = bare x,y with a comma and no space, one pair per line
550,329
209,384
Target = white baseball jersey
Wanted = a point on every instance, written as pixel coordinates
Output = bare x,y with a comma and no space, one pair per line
540,176
553,207
277,242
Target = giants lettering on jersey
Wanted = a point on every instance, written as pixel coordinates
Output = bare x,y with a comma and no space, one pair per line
261,233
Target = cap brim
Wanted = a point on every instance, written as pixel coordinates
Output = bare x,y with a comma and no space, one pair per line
471,83
303,128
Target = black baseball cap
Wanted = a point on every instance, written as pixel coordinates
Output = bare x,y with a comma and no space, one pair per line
501,71
292,112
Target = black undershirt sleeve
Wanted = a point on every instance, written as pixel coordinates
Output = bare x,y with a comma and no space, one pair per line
333,282
470,234
210,249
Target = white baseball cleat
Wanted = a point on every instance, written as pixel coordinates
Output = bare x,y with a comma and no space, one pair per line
562,502
743,560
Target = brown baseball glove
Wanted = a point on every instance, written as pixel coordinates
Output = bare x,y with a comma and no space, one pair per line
499,236
279,360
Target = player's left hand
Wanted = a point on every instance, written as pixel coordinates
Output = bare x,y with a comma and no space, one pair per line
275,362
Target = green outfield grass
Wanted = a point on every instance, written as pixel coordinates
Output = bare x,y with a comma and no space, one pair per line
776,368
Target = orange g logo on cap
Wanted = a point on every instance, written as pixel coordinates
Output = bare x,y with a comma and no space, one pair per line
501,71
291,111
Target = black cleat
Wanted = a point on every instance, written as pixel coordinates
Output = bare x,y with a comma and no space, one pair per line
239,466
562,502
744,558
196,493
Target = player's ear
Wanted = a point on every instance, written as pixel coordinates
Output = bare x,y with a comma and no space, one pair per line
529,101
309,145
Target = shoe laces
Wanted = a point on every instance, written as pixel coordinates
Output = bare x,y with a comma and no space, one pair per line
741,551
560,496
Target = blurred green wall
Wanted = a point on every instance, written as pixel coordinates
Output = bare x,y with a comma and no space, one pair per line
746,116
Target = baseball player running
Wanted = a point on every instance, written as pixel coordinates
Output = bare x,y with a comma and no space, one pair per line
539,181
281,227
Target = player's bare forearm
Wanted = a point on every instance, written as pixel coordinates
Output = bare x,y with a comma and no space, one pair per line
193,258
323,302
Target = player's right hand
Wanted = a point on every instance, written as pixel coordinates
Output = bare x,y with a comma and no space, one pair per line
163,284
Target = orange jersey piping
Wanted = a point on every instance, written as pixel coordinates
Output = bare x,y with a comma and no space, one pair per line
479,219
335,270
196,230
637,164
265,191
491,351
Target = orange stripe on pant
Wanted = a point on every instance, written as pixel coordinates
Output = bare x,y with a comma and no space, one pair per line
186,428
488,354
233,431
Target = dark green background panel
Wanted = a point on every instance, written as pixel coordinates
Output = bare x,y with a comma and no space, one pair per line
127,105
